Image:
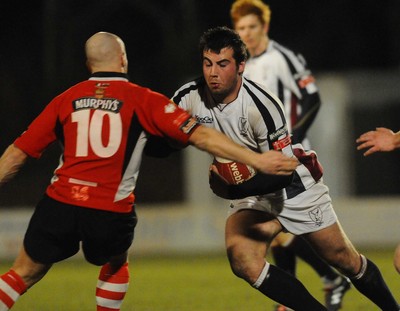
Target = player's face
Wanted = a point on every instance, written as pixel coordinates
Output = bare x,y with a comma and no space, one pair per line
222,74
251,31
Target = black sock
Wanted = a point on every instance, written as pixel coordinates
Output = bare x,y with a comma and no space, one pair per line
372,285
284,258
304,250
289,291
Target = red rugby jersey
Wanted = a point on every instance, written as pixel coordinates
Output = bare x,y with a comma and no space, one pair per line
103,124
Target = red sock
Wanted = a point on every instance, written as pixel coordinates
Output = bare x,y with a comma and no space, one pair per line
11,287
111,288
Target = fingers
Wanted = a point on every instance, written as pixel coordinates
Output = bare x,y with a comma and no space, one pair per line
366,137
286,166
364,145
371,151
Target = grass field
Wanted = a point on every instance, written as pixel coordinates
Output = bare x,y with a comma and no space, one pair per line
179,283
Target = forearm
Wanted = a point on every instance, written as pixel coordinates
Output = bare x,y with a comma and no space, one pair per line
10,162
218,144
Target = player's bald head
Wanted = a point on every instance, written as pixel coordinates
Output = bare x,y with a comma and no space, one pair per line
106,52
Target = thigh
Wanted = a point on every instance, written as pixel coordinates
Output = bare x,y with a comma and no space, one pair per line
333,245
51,235
105,234
250,229
247,237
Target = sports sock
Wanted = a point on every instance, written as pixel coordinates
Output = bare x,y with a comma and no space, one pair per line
286,290
370,283
284,258
111,288
11,287
304,250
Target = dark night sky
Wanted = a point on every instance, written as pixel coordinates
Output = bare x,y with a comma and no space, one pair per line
42,47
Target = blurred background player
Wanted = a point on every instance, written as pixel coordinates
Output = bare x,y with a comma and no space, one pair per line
381,140
103,124
252,116
286,74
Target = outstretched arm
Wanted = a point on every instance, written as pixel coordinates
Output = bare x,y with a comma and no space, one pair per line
382,139
10,162
216,143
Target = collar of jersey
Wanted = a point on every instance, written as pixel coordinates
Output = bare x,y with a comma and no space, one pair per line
103,75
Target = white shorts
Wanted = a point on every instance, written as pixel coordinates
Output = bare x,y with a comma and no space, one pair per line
309,211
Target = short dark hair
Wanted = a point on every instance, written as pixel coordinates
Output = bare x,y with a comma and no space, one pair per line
215,39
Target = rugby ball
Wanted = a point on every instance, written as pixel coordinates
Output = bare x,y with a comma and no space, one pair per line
234,173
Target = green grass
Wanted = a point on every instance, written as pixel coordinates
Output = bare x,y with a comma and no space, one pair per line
179,283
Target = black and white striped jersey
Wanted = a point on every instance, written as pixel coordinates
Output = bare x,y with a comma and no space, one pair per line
255,119
286,75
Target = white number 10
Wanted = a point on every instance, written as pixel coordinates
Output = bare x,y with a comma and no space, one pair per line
89,132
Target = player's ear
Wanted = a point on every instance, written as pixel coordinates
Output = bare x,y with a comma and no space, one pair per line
124,62
88,66
241,68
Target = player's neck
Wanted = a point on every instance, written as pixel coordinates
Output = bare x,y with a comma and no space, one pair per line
261,48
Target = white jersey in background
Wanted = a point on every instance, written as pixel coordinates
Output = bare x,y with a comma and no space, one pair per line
286,75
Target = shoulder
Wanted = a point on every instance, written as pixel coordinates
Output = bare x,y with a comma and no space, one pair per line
193,87
291,57
258,94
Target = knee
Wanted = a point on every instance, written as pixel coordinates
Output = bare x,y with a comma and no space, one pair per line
246,266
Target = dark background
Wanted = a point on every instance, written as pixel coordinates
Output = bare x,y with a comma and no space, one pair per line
42,54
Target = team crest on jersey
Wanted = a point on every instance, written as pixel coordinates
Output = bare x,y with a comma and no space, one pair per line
316,216
243,126
79,193
100,89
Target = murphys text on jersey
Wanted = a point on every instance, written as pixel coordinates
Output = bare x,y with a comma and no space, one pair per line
107,104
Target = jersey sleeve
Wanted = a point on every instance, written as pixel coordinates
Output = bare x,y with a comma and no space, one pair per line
162,117
40,133
298,78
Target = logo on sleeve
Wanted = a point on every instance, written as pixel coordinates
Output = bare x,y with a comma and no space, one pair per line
283,131
304,81
170,108
189,125
280,138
